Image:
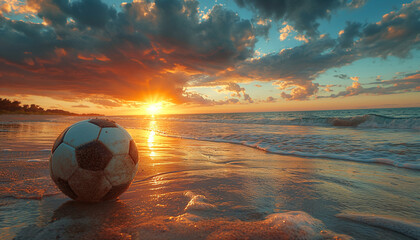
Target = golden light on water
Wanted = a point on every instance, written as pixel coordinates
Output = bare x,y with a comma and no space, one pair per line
151,138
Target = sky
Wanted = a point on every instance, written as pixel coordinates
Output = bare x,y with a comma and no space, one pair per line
186,56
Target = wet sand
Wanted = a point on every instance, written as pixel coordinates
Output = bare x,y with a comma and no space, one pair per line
187,189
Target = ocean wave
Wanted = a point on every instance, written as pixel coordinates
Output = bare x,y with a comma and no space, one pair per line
362,121
274,149
410,229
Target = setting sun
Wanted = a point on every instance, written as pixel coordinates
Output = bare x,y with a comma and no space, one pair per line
154,108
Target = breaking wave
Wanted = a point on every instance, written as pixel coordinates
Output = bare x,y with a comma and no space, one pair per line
294,151
362,121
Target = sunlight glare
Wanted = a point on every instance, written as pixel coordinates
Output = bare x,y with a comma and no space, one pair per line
154,108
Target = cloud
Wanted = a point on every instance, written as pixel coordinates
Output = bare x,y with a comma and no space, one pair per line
395,35
347,36
296,68
327,88
301,38
302,15
342,76
357,3
146,49
154,50
238,90
285,31
80,106
300,92
411,83
270,99
92,13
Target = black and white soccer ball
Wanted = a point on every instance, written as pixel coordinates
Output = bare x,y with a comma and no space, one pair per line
94,160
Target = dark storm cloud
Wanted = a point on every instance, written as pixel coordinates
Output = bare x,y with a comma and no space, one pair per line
302,15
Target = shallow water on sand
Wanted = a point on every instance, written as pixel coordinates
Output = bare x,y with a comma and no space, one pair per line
189,189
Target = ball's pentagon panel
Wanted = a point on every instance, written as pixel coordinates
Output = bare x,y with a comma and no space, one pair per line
116,191
115,139
64,186
133,152
63,161
81,133
103,123
120,170
93,156
89,186
59,139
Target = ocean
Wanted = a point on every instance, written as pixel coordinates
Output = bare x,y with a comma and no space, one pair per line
388,136
275,175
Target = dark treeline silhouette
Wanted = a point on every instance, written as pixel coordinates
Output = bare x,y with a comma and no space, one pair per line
7,106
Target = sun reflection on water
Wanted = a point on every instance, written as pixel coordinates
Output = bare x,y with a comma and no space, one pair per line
151,138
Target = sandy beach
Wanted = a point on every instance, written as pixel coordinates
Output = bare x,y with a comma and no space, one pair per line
189,189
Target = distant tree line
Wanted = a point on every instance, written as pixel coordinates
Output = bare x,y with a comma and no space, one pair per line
7,106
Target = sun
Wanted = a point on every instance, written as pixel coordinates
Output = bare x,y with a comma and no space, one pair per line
154,108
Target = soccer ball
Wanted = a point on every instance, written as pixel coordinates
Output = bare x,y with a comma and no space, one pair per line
94,160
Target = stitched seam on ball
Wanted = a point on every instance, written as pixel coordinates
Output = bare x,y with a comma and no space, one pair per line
99,134
110,183
106,177
73,173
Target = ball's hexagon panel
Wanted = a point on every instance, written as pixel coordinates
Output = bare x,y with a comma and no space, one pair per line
89,186
64,186
93,156
125,132
133,152
120,170
134,173
59,140
115,140
116,191
63,161
103,123
81,133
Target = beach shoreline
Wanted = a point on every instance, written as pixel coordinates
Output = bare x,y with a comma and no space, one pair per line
175,171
